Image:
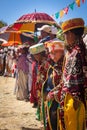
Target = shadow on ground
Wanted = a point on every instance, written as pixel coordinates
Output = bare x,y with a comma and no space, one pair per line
23,128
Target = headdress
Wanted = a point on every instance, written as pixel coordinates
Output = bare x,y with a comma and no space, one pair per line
72,24
37,48
53,45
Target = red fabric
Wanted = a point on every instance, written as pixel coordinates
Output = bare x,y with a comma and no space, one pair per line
12,71
17,26
51,95
33,96
35,17
15,66
42,69
42,72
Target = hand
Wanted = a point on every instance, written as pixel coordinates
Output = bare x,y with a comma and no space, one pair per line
50,96
76,104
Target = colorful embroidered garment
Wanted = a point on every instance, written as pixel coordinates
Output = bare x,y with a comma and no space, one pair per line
74,84
50,109
41,77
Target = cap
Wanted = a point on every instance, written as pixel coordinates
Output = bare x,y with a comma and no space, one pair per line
45,28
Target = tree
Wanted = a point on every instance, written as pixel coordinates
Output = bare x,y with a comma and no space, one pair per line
2,24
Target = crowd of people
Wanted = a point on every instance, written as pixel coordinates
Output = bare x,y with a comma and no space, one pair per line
8,61
52,75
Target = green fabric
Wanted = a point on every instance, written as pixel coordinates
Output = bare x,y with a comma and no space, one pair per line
43,115
43,108
38,113
35,38
49,104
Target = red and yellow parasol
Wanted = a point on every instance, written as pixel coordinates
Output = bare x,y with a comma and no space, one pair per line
30,22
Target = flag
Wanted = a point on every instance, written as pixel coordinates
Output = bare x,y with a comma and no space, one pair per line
61,13
78,3
66,10
57,15
72,5
83,1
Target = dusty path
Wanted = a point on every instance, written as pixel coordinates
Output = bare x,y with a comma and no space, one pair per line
14,114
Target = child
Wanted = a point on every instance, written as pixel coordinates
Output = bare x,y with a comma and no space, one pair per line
50,108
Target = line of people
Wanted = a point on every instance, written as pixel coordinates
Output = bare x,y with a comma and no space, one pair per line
59,77
52,75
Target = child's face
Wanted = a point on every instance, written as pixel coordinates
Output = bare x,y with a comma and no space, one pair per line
37,57
56,55
69,37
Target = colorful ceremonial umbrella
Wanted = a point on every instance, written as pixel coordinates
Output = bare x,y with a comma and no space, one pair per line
14,38
2,40
3,29
30,22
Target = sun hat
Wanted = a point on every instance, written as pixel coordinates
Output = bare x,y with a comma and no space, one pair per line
45,28
54,45
72,24
37,48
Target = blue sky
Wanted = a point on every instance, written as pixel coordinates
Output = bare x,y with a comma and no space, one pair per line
11,10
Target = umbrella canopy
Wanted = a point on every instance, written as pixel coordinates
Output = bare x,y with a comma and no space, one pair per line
2,40
30,22
15,38
3,29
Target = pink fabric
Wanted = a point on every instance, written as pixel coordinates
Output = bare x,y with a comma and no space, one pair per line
22,63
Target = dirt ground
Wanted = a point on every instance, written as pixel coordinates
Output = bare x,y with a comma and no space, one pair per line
14,114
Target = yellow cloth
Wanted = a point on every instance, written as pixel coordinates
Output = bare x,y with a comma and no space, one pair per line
29,27
74,119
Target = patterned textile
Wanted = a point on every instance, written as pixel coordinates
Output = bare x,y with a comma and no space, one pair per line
41,74
73,81
41,77
22,63
36,17
50,109
73,76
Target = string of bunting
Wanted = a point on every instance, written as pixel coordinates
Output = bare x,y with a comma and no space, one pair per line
65,10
